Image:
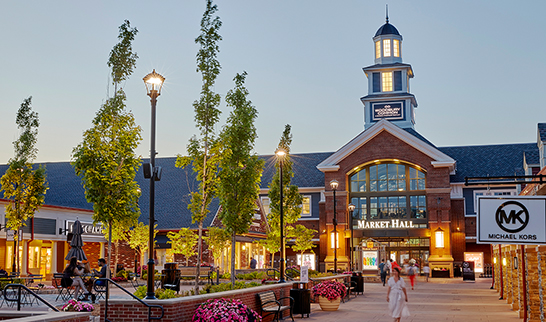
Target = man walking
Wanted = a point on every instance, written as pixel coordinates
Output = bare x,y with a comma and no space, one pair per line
383,271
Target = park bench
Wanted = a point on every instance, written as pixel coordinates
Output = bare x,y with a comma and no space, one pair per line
269,304
191,271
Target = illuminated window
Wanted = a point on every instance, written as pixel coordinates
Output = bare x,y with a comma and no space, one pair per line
439,238
306,206
377,49
386,47
396,47
358,181
306,260
386,81
265,205
334,240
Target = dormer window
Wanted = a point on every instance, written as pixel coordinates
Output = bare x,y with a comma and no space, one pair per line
377,49
386,81
396,47
386,47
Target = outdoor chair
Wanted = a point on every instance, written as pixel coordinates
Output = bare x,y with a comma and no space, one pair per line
65,291
134,279
100,289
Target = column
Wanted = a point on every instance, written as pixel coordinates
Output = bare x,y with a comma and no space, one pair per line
533,297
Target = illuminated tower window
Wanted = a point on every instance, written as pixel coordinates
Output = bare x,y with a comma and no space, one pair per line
386,47
396,47
377,49
387,81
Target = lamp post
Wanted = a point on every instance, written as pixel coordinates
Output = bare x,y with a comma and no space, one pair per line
334,184
280,153
351,210
153,82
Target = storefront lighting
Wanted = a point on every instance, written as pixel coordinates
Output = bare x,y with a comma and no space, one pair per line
244,247
395,160
334,241
494,260
439,234
504,261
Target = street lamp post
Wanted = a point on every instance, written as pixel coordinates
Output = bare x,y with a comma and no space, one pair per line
153,82
334,184
280,153
351,210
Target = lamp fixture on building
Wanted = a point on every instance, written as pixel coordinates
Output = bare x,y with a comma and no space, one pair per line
333,185
334,242
153,82
281,154
439,234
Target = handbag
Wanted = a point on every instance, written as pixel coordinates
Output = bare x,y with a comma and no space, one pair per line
405,311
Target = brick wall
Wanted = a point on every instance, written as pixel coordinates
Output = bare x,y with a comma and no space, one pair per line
182,309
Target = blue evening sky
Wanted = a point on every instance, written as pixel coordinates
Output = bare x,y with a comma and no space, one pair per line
479,68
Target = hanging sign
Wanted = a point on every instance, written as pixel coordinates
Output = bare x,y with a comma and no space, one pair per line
513,220
369,244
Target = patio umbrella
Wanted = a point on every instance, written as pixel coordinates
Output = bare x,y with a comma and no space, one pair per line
76,243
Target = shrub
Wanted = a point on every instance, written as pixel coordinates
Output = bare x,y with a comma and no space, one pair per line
160,293
225,310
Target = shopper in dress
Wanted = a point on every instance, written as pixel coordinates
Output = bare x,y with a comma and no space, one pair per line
397,296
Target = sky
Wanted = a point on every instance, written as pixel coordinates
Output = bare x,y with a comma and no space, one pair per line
479,68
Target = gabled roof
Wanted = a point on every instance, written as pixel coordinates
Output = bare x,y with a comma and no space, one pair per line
488,160
542,132
531,157
440,159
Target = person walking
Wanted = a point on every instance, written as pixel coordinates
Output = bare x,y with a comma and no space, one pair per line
426,271
383,271
397,296
411,270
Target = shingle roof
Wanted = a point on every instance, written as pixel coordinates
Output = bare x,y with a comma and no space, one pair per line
387,29
542,131
532,156
304,166
484,160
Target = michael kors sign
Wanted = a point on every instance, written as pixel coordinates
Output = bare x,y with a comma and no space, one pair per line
385,224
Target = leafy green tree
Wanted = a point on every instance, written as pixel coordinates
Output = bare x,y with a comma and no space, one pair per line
203,152
240,168
292,200
183,242
119,234
217,240
139,237
106,159
24,187
303,238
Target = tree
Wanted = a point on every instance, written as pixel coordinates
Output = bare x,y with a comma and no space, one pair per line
303,238
24,187
183,242
292,200
203,152
240,168
106,159
217,240
139,237
119,233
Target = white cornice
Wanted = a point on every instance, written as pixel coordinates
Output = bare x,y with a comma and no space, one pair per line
440,159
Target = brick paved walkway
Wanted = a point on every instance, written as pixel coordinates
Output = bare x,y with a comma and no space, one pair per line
437,300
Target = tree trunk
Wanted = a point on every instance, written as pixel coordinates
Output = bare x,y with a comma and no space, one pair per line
199,252
116,257
109,254
233,259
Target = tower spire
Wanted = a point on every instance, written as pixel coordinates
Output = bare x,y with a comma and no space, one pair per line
387,15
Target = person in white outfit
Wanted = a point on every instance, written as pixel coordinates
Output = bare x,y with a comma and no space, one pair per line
397,296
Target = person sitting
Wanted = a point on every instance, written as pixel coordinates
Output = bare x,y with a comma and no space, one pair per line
102,272
72,276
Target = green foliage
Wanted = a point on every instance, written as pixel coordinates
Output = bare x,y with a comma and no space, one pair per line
139,237
164,294
23,186
222,287
122,59
218,239
258,275
123,273
292,200
183,242
303,238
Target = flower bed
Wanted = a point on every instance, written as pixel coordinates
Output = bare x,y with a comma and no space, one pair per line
225,310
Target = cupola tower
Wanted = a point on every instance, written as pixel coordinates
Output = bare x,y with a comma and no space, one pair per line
389,94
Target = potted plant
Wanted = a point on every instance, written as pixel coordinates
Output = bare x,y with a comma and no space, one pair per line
225,310
329,294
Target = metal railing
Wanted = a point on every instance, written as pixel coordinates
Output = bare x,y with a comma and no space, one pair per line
105,289
8,296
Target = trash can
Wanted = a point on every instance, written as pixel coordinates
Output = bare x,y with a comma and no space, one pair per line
302,299
119,268
359,280
170,278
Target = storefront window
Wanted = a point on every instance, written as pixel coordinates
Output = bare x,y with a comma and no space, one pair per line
306,260
390,190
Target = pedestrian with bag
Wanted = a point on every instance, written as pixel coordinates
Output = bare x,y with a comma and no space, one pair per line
411,273
397,296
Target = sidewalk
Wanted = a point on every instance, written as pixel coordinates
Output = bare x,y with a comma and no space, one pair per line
437,300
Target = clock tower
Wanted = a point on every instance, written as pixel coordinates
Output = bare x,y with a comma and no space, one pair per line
389,94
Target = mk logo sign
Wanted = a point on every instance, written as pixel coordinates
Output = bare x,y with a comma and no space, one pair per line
512,217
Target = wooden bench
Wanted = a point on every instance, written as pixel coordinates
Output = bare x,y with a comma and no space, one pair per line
269,304
191,271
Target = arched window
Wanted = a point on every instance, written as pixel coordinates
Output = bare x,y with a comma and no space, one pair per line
389,190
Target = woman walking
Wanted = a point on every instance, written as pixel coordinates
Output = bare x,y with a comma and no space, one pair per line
397,296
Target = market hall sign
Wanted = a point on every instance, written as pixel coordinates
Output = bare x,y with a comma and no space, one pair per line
514,220
391,111
385,224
